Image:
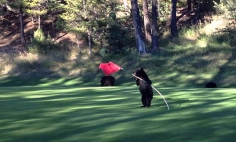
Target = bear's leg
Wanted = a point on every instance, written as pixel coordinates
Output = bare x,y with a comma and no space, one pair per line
102,82
107,83
149,100
112,81
144,101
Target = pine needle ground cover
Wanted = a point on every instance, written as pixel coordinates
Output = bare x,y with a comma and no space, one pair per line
113,114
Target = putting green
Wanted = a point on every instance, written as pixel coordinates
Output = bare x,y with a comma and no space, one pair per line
113,114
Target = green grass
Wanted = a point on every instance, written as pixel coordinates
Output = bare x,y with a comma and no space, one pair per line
88,114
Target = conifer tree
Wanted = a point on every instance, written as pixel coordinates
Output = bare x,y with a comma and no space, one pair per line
173,24
37,8
31,7
81,17
17,6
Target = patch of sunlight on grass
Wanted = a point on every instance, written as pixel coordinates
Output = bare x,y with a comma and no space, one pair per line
71,109
202,42
71,82
191,35
6,69
29,130
230,91
222,62
63,99
58,81
37,96
190,76
110,99
206,75
172,75
105,96
215,25
63,81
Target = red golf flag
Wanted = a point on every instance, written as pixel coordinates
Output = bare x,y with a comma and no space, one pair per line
109,68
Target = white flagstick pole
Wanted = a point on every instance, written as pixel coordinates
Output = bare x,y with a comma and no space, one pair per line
162,97
154,89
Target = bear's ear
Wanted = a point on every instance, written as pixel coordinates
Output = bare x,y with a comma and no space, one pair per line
141,69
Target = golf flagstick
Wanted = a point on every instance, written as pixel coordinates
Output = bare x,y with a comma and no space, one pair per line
154,89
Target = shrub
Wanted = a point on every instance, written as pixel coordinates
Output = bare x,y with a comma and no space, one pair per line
39,35
42,44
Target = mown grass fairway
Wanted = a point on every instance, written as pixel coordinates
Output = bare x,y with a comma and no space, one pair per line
102,114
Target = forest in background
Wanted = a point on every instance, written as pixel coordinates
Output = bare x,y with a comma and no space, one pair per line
69,38
108,24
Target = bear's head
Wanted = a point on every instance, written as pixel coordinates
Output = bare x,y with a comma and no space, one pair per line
142,74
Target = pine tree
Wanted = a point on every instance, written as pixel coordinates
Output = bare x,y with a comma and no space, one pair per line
81,17
37,8
17,6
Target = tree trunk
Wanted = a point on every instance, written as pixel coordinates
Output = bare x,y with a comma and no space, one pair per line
173,24
100,39
78,45
189,5
155,43
147,27
22,26
53,29
85,8
194,3
89,42
197,11
39,22
209,5
3,8
137,27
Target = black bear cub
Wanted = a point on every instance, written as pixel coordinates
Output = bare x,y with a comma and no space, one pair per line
211,85
145,87
108,81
